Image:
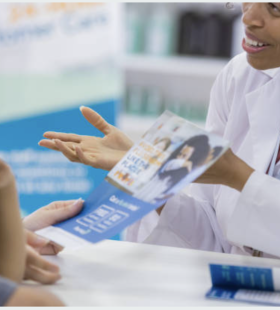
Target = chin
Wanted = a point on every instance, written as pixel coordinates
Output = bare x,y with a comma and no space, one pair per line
261,63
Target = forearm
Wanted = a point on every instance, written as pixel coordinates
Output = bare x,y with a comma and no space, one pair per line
229,170
12,244
239,173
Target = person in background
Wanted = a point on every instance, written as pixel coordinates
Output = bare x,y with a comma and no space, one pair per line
240,214
187,156
13,252
20,248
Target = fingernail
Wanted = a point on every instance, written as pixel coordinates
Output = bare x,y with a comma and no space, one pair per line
82,106
77,202
40,240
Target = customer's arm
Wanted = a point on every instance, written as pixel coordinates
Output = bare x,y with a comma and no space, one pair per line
33,297
12,244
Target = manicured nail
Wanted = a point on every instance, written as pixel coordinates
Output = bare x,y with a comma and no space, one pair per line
77,202
40,240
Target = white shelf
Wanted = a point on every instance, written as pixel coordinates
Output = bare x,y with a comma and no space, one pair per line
174,65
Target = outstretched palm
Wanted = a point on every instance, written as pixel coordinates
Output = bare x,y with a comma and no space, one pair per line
97,152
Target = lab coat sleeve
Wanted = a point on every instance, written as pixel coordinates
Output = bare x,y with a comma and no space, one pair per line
184,223
258,205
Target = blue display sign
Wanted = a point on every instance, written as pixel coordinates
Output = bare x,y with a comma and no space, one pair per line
44,175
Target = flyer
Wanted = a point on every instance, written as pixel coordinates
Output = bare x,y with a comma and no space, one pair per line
256,285
170,155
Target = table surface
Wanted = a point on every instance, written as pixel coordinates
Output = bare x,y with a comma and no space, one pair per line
118,273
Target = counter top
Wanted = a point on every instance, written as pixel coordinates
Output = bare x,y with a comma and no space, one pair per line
118,273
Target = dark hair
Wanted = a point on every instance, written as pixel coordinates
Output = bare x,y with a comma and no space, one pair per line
198,157
201,149
216,151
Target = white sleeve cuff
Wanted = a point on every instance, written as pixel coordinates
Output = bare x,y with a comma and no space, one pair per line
250,224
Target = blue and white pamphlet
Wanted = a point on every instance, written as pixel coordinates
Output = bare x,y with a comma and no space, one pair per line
246,284
170,155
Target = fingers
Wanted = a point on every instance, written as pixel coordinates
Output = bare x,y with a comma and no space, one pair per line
50,144
34,240
85,159
59,204
65,150
66,137
52,248
41,276
96,120
34,259
51,214
42,245
39,269
62,211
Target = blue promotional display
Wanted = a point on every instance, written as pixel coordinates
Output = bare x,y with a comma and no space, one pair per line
55,58
44,175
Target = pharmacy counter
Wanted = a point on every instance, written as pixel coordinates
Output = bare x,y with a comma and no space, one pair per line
114,273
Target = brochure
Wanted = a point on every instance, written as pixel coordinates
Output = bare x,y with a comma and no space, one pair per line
246,284
170,155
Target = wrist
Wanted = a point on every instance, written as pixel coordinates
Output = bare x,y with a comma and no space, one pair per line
239,174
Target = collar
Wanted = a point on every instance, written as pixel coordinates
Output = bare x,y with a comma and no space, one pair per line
271,72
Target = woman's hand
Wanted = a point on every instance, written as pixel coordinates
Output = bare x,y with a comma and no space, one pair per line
42,245
103,153
228,170
39,269
53,213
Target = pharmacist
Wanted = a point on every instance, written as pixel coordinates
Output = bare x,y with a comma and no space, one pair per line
244,109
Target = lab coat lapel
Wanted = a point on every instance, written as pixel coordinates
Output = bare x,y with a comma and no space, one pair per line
263,106
263,109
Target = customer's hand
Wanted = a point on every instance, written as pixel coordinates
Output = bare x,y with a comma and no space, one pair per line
39,269
53,213
103,153
42,245
228,170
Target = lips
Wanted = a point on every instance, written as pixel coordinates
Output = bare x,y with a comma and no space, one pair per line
253,39
252,44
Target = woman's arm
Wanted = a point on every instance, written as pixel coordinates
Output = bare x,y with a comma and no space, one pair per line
228,170
12,243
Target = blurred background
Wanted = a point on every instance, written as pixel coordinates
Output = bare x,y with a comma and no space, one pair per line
128,61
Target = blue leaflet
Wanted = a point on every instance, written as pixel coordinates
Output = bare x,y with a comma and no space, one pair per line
106,212
242,277
240,283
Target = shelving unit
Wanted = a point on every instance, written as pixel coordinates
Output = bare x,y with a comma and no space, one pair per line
179,79
173,65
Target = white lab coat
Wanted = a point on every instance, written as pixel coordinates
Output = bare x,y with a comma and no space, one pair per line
244,109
